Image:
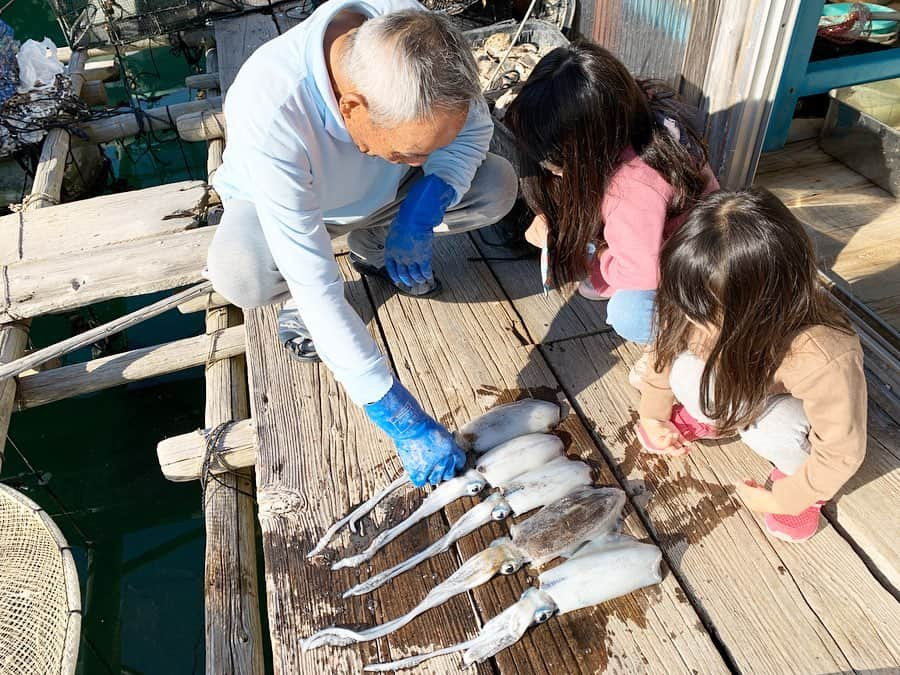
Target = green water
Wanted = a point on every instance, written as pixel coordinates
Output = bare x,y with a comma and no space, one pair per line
91,462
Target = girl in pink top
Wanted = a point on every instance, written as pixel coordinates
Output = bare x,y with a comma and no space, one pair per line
612,167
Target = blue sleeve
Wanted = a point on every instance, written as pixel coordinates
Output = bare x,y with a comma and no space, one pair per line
457,163
288,208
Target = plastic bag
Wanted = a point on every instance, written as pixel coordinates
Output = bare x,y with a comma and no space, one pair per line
38,65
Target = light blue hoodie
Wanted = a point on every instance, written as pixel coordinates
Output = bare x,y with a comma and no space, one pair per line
289,153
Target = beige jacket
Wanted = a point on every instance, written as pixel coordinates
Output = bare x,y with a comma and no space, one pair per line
824,370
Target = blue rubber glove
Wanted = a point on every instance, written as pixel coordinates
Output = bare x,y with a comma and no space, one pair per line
407,250
427,450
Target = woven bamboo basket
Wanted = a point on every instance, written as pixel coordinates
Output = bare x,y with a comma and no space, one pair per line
40,601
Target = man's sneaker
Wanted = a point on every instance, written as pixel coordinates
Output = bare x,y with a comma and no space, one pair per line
294,336
427,290
792,528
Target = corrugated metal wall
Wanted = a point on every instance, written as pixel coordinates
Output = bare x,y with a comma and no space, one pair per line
666,39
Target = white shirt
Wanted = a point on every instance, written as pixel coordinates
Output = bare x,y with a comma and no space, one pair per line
289,153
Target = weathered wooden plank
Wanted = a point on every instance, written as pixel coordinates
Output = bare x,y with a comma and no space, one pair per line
234,642
560,315
318,457
237,39
100,221
865,509
56,384
765,598
202,81
793,156
461,357
126,269
94,94
45,191
101,70
181,457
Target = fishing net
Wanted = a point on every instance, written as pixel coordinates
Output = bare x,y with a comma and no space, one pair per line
40,602
91,23
26,118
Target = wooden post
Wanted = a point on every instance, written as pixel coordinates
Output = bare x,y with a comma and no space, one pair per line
233,626
94,93
45,191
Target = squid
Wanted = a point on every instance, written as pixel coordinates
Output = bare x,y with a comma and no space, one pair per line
556,530
496,426
529,491
602,570
498,467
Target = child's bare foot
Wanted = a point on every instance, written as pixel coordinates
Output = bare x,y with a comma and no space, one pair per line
661,437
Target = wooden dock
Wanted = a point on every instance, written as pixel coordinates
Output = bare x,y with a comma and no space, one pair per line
732,598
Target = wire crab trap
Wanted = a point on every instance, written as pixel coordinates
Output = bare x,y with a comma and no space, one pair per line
93,23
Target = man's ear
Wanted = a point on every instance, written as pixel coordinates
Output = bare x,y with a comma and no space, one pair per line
351,104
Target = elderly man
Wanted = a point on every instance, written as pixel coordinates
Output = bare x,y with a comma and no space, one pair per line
367,118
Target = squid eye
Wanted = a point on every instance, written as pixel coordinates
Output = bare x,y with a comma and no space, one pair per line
500,513
543,615
508,568
475,487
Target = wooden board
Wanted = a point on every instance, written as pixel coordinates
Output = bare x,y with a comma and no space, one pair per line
461,355
33,287
237,39
100,221
234,642
318,457
852,222
56,384
558,316
764,598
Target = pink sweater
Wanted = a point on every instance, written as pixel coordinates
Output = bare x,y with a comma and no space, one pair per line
634,212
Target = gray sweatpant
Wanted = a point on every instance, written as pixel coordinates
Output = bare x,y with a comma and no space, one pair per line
780,434
243,270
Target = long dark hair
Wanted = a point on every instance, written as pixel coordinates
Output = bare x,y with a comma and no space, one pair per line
579,110
743,265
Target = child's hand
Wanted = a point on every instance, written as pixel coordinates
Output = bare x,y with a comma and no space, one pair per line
757,498
536,234
660,437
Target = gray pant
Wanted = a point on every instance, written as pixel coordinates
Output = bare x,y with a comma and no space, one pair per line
780,434
243,270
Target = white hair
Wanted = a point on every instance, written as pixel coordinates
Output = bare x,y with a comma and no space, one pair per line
410,64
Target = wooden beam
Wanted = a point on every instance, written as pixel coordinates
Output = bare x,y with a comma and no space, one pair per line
211,300
123,270
155,119
202,81
203,125
181,457
98,222
45,191
47,386
234,641
117,325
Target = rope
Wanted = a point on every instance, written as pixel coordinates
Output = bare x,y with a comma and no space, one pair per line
213,458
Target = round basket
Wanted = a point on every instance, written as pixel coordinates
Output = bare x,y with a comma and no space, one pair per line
40,601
